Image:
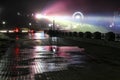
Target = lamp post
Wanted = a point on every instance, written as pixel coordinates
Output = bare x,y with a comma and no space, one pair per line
53,28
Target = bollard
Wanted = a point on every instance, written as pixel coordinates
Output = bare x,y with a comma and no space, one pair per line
88,35
97,35
110,36
81,34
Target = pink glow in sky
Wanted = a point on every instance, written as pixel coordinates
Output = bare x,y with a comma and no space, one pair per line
56,9
64,7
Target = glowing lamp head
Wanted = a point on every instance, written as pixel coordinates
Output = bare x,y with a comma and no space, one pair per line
30,24
38,16
50,25
3,22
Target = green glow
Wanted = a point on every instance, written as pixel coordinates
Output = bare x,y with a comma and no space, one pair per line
75,26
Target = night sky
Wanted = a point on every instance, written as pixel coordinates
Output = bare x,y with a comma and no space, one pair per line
87,6
61,7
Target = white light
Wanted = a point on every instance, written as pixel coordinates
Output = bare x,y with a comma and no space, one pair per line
30,24
3,31
111,26
18,13
11,31
3,22
39,16
74,26
50,25
54,50
24,31
32,14
39,48
77,17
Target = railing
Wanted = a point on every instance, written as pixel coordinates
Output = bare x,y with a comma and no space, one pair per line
109,36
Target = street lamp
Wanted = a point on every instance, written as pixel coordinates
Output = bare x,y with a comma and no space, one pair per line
50,25
39,16
3,23
30,24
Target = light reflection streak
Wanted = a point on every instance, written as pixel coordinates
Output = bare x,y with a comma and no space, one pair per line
71,49
39,35
41,67
39,48
50,62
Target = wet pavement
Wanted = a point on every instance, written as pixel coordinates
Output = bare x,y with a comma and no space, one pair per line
31,58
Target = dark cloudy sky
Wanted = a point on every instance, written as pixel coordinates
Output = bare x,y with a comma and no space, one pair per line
86,6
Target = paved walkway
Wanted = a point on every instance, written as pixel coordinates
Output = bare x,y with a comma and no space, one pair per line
35,60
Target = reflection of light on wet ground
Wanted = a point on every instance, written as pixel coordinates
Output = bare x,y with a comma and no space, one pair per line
70,48
40,59
39,48
74,54
17,38
44,66
64,57
39,35
13,67
44,48
47,61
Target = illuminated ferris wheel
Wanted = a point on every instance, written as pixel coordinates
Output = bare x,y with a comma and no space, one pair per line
78,15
